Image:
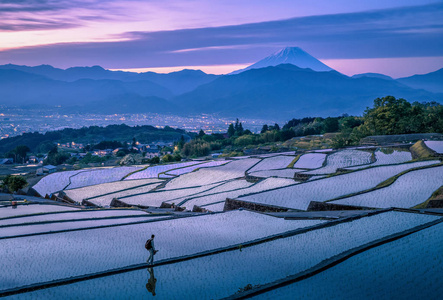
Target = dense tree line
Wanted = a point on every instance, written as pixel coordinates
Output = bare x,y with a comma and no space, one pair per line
236,137
19,153
42,143
55,157
394,116
397,116
109,145
13,183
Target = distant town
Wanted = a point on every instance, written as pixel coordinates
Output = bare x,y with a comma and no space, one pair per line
16,121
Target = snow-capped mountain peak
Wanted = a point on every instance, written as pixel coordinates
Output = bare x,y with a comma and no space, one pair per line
289,55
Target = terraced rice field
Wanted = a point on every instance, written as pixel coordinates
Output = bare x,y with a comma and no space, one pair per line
154,171
81,178
93,177
181,171
299,196
21,210
215,206
69,215
98,190
274,154
407,191
310,161
235,184
271,163
54,182
26,230
342,159
100,254
106,248
409,268
156,198
387,158
206,176
214,198
106,199
437,146
235,269
284,173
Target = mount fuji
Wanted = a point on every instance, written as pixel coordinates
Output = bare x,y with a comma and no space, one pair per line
289,55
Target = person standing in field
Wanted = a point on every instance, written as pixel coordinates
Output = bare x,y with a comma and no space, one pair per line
149,245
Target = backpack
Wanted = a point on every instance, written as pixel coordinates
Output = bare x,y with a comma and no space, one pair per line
148,245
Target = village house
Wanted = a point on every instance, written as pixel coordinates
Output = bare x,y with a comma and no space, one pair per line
6,161
102,153
150,153
46,169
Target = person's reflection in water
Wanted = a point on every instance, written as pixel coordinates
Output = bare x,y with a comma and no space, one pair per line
150,286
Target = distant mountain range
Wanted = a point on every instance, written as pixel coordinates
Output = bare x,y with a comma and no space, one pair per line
287,90
373,75
432,82
176,82
287,84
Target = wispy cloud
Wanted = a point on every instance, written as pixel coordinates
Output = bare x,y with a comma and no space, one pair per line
31,5
27,24
26,15
397,32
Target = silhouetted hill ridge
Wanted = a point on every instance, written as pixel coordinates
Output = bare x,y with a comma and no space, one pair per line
289,91
432,82
177,82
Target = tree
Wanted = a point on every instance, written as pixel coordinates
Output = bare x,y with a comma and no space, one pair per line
343,139
53,151
14,183
236,125
89,158
432,116
264,128
72,160
167,158
56,158
201,133
21,151
287,134
239,131
330,125
154,160
269,136
181,143
122,152
196,148
45,146
106,145
231,130
292,123
350,122
89,147
388,116
245,140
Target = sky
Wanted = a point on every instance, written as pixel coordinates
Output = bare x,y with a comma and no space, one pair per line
393,37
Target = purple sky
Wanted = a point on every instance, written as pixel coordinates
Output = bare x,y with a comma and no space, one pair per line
394,37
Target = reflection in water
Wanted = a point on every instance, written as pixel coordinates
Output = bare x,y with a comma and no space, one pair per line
150,286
